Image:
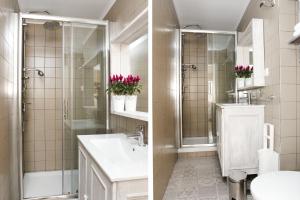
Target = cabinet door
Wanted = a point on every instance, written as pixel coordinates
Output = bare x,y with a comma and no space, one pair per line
99,186
138,197
243,134
82,174
132,190
219,134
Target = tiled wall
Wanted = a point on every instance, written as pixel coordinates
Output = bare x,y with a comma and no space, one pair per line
9,127
283,80
127,125
289,88
43,117
165,61
195,97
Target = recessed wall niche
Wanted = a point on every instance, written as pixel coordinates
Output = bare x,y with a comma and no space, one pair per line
129,55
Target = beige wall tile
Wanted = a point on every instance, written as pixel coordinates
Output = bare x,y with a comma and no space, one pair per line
288,162
40,165
288,57
287,22
289,75
288,92
289,110
288,145
288,128
29,166
298,162
39,62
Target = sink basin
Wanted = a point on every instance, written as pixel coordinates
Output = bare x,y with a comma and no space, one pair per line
236,105
119,157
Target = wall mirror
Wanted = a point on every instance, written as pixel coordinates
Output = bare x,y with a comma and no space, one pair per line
250,51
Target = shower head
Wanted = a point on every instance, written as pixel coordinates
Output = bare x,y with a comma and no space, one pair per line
48,25
52,25
42,12
196,26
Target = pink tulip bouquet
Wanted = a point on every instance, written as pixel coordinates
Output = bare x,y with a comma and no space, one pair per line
120,85
132,85
116,85
243,71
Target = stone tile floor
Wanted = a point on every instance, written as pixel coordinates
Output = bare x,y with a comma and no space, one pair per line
197,178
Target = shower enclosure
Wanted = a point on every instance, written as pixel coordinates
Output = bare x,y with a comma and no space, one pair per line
64,66
206,76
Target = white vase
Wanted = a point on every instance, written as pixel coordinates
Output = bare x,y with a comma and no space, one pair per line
240,82
117,103
248,82
130,102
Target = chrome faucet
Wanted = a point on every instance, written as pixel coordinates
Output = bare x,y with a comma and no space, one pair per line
249,97
138,135
40,72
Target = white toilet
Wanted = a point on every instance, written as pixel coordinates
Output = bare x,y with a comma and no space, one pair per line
272,184
280,185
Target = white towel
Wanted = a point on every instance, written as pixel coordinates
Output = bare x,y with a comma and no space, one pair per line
296,34
297,27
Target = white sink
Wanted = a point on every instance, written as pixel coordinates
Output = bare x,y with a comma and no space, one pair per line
119,157
236,104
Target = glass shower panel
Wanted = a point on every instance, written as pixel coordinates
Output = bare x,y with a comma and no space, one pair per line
221,60
67,100
207,75
194,88
85,91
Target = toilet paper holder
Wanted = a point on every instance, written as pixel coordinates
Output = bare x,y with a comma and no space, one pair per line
268,139
268,159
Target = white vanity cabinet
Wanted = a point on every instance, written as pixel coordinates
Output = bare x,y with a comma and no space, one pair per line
239,136
94,184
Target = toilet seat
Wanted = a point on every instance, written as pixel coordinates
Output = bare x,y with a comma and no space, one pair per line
280,185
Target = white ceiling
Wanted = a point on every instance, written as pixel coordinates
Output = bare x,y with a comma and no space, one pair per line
211,14
91,9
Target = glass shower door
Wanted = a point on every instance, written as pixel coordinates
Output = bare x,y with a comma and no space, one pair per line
220,75
85,99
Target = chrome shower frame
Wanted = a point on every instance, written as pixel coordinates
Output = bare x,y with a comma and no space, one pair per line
197,147
20,63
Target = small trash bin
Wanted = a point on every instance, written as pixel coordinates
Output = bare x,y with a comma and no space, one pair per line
237,183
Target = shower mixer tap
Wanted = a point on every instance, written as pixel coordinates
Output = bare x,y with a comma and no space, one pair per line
40,72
